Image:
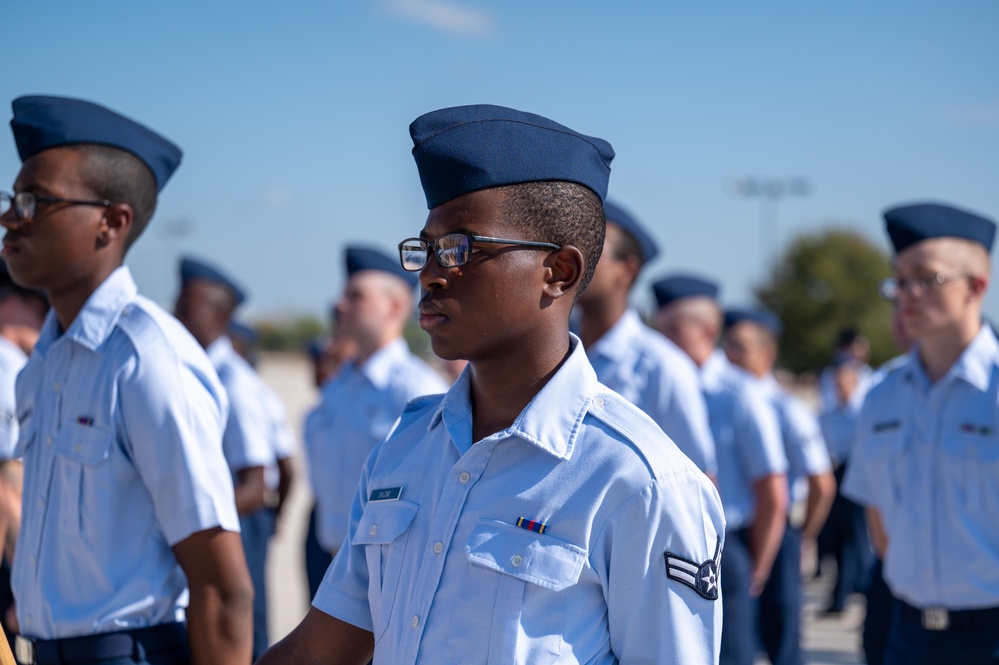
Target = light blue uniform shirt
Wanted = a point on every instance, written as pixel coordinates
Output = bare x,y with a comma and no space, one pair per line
747,436
927,458
12,359
358,407
121,422
839,427
281,438
443,573
246,441
804,447
656,376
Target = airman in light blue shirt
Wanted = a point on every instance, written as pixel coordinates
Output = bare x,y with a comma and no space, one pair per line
530,515
926,458
129,524
631,358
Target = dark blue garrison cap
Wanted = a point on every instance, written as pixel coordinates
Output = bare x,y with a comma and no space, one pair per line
630,225
367,258
191,269
908,225
760,317
678,287
467,148
41,122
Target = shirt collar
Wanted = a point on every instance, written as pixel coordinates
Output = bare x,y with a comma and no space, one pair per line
615,343
220,351
378,368
974,366
99,315
551,421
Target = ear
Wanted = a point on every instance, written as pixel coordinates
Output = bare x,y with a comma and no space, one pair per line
564,270
978,285
632,266
117,224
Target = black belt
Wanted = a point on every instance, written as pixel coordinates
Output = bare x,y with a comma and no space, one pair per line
102,646
938,618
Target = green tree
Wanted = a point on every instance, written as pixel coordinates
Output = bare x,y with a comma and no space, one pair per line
826,282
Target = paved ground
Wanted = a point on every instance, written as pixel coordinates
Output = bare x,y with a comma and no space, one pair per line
827,640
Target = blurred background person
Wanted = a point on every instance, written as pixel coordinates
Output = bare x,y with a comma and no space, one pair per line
206,304
630,358
750,343
752,466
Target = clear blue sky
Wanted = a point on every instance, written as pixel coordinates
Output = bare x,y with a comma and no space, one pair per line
294,116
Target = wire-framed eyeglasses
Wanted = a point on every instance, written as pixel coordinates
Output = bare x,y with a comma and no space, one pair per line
25,204
452,250
891,287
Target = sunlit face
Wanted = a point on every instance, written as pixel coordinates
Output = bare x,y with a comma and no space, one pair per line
490,307
941,306
367,305
60,245
747,348
686,328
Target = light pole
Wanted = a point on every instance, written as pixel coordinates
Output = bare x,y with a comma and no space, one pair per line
770,191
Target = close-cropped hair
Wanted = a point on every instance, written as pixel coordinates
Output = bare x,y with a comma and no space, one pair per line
562,213
121,177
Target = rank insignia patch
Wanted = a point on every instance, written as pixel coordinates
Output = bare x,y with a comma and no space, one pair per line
701,577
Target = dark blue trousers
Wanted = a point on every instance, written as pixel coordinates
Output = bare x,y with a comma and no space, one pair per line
877,621
780,604
911,644
317,560
845,535
257,529
738,640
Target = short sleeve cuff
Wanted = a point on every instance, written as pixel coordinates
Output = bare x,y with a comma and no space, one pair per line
342,606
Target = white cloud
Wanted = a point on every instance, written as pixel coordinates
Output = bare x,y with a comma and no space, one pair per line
443,15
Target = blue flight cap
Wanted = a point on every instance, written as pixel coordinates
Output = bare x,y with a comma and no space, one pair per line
760,317
678,287
467,148
368,258
630,225
191,269
41,122
244,332
908,225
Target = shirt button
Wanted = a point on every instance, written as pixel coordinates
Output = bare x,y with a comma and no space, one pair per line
41,502
464,477
517,561
48,441
415,622
438,548
56,386
373,530
598,402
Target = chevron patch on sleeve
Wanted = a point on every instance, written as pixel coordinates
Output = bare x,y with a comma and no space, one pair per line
701,577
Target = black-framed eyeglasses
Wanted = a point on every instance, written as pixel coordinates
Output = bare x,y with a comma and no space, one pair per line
452,249
891,287
26,203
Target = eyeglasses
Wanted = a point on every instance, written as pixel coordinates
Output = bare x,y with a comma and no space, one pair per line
25,203
451,249
891,288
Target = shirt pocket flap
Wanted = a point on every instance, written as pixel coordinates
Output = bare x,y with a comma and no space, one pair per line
883,445
973,446
384,521
532,557
88,445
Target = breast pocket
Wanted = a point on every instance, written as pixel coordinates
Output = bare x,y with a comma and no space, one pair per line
972,468
83,454
527,572
883,456
384,531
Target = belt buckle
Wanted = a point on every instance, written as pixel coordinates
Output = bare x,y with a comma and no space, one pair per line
24,650
935,618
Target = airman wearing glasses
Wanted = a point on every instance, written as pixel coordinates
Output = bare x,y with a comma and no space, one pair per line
925,462
129,523
530,515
